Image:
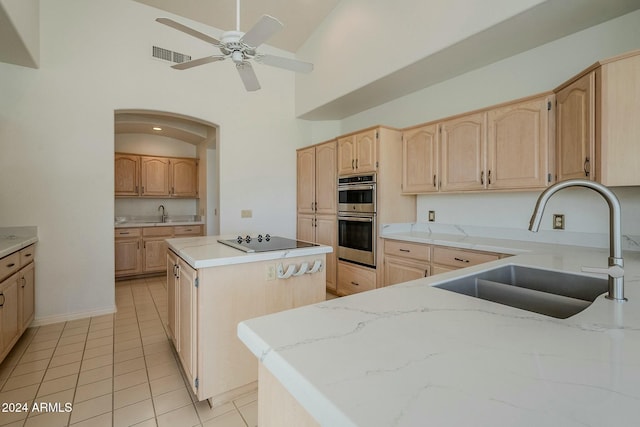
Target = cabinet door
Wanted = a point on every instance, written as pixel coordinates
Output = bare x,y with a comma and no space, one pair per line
518,145
26,295
353,278
172,298
575,130
128,256
306,180
305,229
187,321
346,155
366,153
420,160
9,322
184,177
326,179
126,175
399,270
462,151
327,234
154,176
153,257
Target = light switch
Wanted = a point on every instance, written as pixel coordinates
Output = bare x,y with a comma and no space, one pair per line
246,213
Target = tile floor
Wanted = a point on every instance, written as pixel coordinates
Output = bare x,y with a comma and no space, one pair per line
113,370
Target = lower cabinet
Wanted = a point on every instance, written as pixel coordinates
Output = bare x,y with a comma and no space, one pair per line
447,259
322,229
353,278
17,297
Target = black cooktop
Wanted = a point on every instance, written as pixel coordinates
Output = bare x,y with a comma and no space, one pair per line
265,243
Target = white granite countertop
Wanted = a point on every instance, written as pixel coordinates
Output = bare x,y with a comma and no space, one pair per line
156,221
203,252
13,239
415,355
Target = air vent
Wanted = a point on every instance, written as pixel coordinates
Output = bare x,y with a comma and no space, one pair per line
169,55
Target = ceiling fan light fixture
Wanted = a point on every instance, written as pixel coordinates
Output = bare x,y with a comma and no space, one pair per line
157,128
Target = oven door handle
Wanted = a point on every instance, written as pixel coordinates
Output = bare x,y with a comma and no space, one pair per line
355,218
354,187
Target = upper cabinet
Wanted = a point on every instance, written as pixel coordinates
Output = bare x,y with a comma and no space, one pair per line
507,147
317,182
145,176
598,128
357,153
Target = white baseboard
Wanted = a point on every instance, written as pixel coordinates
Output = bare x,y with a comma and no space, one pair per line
47,320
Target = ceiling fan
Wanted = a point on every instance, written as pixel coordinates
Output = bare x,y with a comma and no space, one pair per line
241,48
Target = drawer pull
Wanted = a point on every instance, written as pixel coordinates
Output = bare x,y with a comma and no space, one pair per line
2,295
355,284
123,233
404,250
460,259
11,265
27,255
24,282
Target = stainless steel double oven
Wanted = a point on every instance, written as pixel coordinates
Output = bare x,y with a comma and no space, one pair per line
357,219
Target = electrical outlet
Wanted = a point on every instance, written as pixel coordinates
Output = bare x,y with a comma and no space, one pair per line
432,216
558,221
246,213
271,272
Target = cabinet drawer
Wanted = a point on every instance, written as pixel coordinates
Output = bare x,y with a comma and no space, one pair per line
9,265
188,230
461,258
27,255
127,232
417,251
353,279
157,231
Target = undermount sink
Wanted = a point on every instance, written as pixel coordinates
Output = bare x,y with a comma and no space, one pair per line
552,293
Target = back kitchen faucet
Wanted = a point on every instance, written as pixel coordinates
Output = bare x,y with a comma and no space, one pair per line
615,270
164,216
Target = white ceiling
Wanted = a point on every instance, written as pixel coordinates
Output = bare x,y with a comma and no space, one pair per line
300,17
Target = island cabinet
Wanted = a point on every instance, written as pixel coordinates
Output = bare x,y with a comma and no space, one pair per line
597,129
205,307
317,201
357,153
17,296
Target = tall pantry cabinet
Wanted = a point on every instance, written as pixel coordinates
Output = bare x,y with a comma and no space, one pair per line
317,201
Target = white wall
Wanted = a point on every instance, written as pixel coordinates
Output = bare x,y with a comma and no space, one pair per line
153,145
57,139
540,69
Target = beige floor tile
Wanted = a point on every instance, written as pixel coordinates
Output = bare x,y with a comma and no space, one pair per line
78,322
133,414
160,357
65,359
97,362
91,408
206,412
230,419
19,381
98,351
167,384
185,416
172,400
93,375
126,336
131,395
37,355
130,379
59,384
105,318
151,422
104,420
47,336
156,371
129,366
15,416
98,342
27,368
82,330
62,398
153,339
100,333
93,390
158,347
250,414
124,355
101,326
246,398
62,371
72,339
125,326
41,345
21,394
69,348
48,419
128,345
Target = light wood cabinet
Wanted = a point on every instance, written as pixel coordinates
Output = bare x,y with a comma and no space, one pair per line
317,201
172,297
17,297
519,144
597,123
420,159
404,261
454,258
154,177
187,321
357,153
127,175
463,146
128,252
183,177
354,278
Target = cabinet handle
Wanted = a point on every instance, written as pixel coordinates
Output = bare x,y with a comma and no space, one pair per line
586,166
143,189
2,295
404,250
352,164
316,206
138,244
24,282
137,188
356,163
27,255
489,177
177,271
426,273
11,265
123,233
173,190
460,259
355,284
434,180
482,177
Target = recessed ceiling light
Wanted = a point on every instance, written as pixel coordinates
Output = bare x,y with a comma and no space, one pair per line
157,128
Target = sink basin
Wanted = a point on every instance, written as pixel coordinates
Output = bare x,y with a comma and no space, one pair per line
552,293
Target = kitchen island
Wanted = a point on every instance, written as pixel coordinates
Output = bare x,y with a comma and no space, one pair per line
212,287
416,355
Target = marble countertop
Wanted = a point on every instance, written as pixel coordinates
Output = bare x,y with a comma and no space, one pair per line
156,221
203,252
13,239
415,355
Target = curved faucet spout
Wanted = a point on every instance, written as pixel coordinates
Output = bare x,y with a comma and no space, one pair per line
615,271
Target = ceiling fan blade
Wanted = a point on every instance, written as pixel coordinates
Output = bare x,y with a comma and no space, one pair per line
178,26
262,31
196,62
286,63
248,76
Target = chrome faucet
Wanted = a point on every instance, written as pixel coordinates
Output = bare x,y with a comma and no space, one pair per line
615,270
164,216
